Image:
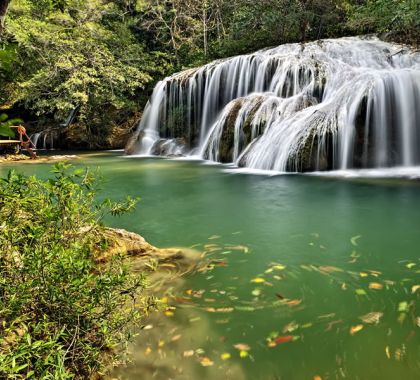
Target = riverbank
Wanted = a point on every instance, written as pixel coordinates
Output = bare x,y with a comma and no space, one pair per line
22,158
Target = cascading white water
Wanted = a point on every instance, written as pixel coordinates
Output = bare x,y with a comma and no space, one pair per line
339,103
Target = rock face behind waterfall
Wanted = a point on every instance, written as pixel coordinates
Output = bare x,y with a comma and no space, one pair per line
330,104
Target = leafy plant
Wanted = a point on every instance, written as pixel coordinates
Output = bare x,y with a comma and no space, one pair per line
62,314
6,123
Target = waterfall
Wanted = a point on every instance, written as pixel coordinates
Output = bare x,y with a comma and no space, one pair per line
330,104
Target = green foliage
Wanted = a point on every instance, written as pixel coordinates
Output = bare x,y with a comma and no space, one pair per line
77,53
6,123
60,311
105,56
384,16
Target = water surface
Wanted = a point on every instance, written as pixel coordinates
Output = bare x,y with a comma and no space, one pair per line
296,258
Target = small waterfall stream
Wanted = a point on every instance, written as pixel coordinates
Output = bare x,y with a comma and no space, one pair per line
331,104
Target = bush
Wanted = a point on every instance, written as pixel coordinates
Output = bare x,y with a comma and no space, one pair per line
61,313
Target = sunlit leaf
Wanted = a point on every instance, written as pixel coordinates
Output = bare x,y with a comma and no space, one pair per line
243,354
414,288
206,362
410,265
363,274
387,353
188,353
225,356
375,285
257,280
242,346
403,306
355,329
360,292
294,302
373,317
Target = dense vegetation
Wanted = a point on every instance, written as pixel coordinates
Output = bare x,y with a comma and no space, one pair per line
105,56
60,311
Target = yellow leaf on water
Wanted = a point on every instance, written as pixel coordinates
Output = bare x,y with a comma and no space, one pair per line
243,354
169,313
355,329
363,274
387,353
225,356
375,285
414,288
161,343
257,280
317,377
148,351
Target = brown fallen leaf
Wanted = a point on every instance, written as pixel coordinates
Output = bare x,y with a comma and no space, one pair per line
206,362
294,302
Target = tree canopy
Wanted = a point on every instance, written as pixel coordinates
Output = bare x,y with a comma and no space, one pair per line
105,56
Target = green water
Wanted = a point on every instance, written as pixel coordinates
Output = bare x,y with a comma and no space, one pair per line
309,243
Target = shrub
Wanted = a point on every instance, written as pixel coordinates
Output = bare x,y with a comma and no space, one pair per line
61,313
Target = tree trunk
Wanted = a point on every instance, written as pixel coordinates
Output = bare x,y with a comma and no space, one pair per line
4,5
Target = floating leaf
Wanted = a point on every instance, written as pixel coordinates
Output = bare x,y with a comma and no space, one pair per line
344,286
188,353
354,239
242,346
290,327
147,351
213,237
317,377
355,329
279,267
401,317
225,356
257,280
307,325
161,343
256,292
410,265
238,248
330,269
175,338
375,285
284,339
294,302
243,354
363,274
403,306
373,317
360,292
387,353
206,362
414,288
169,313
148,327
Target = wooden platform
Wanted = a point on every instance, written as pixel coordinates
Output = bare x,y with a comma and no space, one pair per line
7,142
